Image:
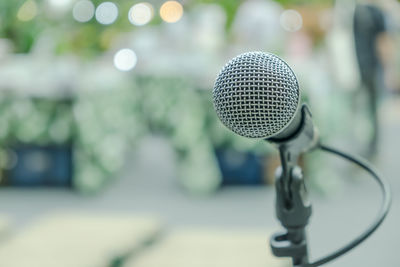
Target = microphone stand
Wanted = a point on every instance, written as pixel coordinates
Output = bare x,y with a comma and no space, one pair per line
293,207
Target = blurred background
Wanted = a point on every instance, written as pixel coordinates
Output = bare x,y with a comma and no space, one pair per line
111,153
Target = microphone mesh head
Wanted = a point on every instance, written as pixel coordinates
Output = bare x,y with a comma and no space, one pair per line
256,95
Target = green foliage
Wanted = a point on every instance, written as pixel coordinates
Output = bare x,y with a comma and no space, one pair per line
230,7
92,38
21,33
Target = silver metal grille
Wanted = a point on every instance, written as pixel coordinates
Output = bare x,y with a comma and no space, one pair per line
256,95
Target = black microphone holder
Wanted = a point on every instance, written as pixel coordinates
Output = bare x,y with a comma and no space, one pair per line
293,208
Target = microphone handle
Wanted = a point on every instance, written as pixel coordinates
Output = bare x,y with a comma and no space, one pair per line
292,128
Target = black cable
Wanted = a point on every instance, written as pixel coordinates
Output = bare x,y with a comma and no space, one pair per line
378,220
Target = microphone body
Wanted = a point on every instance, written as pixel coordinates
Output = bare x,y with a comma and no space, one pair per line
256,95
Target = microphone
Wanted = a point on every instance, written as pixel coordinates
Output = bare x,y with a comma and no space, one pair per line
256,95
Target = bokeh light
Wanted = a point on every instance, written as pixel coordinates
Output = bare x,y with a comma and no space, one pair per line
83,10
125,59
106,13
291,20
171,11
27,11
60,4
140,14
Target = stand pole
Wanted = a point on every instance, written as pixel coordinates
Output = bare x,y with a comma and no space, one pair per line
293,210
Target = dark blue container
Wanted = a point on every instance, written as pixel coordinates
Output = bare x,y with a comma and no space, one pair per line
240,168
35,165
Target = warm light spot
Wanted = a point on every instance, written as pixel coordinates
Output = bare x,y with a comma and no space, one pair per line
83,11
140,14
27,11
171,11
106,13
125,59
291,20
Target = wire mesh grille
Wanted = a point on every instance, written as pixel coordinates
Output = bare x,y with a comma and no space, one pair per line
256,95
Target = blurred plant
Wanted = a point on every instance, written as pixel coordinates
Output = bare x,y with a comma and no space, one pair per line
107,125
34,120
21,21
22,33
104,124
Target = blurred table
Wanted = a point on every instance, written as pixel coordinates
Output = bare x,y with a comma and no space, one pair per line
78,240
199,247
